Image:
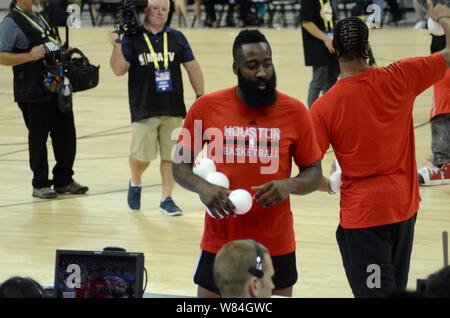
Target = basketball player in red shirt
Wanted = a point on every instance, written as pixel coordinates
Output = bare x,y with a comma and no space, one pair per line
253,133
439,173
367,119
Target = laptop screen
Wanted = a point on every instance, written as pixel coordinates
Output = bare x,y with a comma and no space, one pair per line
98,274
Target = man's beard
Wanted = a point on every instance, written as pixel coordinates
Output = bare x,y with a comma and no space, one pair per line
36,6
253,96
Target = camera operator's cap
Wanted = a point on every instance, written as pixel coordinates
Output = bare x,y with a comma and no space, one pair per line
64,100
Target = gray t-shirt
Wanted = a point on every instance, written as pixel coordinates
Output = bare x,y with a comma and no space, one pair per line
12,36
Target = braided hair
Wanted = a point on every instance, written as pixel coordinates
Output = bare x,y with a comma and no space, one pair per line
350,38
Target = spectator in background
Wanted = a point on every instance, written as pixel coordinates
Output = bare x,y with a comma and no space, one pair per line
318,19
156,96
439,172
29,44
421,15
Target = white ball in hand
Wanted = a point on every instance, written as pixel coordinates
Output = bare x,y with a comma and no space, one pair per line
211,215
218,178
335,181
242,200
204,167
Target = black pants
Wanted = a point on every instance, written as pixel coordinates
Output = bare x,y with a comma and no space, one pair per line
376,260
210,10
42,119
440,139
324,77
285,267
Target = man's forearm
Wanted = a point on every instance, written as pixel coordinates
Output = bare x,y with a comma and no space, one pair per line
195,77
118,63
307,181
314,30
183,175
13,59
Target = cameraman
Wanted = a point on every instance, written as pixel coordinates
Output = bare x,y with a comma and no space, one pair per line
155,90
25,37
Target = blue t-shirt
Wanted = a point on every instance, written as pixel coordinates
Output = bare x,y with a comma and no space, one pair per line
186,54
12,36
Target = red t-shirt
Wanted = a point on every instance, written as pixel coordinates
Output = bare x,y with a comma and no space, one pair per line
441,98
254,139
368,120
98,288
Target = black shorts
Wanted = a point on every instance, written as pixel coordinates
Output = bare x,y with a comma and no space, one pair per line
285,267
377,254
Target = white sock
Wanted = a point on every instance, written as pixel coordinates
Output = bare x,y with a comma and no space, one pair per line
133,185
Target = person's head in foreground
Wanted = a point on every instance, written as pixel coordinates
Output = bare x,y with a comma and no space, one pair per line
19,287
243,269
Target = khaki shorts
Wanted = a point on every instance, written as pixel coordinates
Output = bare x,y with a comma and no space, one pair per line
149,133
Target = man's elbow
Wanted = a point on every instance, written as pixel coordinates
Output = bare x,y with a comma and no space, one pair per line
3,60
118,71
306,24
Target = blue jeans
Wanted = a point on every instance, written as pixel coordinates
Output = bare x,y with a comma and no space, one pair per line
324,77
440,139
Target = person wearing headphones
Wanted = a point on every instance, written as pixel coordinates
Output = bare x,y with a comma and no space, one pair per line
19,287
244,269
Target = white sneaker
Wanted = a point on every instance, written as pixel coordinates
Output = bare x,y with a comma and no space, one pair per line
430,176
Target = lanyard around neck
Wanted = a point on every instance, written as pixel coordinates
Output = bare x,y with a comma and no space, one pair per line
152,51
36,25
328,24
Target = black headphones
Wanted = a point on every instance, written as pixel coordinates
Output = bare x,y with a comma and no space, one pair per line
257,270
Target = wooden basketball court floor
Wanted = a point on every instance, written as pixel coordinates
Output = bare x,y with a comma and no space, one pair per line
32,229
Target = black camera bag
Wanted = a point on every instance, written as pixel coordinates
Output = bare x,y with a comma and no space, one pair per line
82,74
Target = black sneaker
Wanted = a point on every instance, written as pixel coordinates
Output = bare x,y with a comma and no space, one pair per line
44,193
72,188
169,207
134,197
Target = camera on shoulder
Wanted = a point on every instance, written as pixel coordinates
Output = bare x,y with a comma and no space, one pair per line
128,18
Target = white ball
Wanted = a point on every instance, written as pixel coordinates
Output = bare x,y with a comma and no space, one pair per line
211,215
204,167
218,178
435,28
335,182
338,166
242,200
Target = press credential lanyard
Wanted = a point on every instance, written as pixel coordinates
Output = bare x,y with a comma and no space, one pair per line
37,26
328,24
152,51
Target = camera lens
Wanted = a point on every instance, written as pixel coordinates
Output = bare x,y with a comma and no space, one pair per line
127,16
